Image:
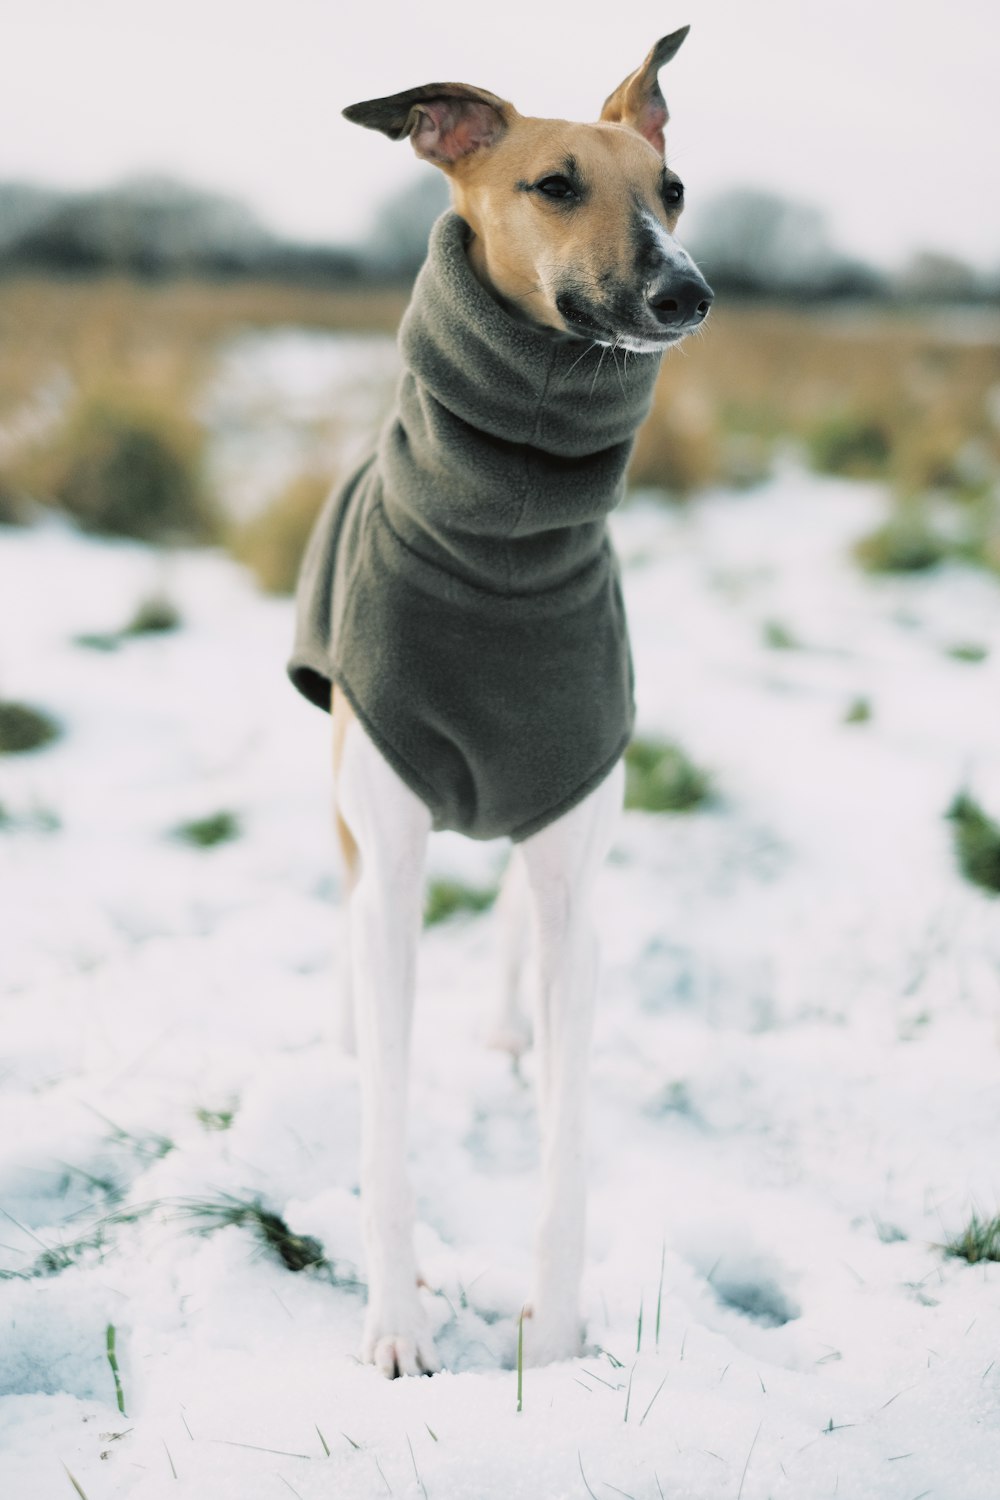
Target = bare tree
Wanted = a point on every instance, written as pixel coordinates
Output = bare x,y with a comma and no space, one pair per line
760,241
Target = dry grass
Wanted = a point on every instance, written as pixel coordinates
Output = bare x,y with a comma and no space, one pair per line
272,543
873,393
160,338
897,396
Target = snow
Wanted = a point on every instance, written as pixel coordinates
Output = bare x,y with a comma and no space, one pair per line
795,1072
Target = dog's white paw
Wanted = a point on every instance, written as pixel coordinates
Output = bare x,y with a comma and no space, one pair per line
552,1332
400,1344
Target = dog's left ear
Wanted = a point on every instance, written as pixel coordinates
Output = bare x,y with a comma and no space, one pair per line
445,121
638,101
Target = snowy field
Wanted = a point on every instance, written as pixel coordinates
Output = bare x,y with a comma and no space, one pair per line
796,1073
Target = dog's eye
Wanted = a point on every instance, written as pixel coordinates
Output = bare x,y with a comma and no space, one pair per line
559,188
673,192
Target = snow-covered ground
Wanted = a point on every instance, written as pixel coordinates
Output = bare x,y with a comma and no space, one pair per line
796,1074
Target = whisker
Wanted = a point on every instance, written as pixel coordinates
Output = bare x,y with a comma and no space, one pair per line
614,356
592,345
604,350
529,293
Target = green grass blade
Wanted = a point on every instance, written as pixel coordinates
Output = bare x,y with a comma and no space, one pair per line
113,1362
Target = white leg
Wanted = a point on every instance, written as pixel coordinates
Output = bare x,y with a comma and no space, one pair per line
511,1030
345,1028
390,827
561,863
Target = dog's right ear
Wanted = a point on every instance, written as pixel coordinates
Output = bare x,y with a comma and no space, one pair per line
446,122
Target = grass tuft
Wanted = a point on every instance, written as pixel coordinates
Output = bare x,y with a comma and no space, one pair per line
979,1241
449,898
155,615
23,728
296,1252
977,843
56,1258
659,777
970,651
859,711
850,443
204,833
215,1119
778,637
122,465
906,543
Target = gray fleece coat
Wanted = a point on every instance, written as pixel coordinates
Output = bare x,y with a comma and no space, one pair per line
460,588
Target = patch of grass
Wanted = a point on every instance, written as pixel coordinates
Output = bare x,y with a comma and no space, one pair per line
124,465
779,637
272,544
906,543
450,898
296,1252
659,777
968,651
215,1119
859,711
95,640
204,833
147,1144
56,1258
154,615
977,843
23,728
851,443
979,1241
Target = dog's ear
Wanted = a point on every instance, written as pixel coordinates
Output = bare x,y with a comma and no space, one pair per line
445,121
638,101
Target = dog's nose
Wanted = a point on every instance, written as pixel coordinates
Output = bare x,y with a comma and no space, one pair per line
680,301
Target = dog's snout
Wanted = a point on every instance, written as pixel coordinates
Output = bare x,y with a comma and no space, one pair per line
680,302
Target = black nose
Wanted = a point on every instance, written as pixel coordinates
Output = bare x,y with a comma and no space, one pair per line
680,301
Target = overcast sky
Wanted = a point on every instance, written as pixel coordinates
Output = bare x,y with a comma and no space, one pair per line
882,112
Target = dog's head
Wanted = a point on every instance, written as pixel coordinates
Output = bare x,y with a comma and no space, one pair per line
573,225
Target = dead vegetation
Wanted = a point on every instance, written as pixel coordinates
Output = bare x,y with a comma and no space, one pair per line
99,387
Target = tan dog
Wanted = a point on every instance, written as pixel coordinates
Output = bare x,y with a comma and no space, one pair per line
572,231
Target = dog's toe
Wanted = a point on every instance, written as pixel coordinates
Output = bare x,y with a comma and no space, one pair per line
407,1352
395,1354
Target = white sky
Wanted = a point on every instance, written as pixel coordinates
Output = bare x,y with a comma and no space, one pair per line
883,112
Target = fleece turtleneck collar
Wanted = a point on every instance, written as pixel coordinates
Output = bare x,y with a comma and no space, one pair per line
508,378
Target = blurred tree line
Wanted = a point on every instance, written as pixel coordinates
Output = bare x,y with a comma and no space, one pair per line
751,243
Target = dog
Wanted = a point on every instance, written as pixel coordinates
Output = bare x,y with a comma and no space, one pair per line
460,614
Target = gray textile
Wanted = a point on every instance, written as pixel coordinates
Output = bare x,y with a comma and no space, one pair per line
461,587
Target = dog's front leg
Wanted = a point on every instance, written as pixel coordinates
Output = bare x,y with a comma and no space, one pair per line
561,863
389,825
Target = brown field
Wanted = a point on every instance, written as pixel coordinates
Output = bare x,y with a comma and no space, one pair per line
911,398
